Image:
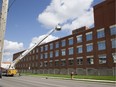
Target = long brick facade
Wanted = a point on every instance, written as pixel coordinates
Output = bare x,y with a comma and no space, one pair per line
85,52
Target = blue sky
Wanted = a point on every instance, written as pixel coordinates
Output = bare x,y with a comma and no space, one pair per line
29,20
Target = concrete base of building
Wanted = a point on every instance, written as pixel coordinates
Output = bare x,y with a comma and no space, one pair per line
78,71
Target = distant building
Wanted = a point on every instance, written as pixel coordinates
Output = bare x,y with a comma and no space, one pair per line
85,52
5,65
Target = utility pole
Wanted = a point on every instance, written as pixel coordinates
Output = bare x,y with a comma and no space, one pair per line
3,18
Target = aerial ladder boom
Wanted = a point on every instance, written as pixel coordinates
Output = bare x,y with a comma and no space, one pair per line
21,56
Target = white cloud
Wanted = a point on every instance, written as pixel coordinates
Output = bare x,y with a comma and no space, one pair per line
10,45
10,48
39,38
70,13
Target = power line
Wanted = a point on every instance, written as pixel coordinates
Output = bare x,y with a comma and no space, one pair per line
11,5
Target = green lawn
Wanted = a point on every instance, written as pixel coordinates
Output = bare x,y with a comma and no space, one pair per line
111,78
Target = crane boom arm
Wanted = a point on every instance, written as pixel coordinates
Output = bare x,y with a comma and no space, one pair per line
21,56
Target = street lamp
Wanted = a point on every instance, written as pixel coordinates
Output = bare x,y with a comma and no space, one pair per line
58,27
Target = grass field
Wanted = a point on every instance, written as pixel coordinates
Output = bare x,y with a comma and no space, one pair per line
111,78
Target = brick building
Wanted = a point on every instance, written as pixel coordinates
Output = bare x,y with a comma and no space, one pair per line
86,51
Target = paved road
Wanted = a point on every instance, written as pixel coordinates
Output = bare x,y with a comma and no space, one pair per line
28,81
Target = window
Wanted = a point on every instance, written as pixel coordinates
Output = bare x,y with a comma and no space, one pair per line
79,60
63,43
70,41
57,53
51,46
63,62
41,49
51,54
46,47
57,45
90,60
70,61
100,33
113,30
56,63
41,56
45,63
36,57
37,50
101,45
46,55
113,43
79,49
33,57
89,36
70,50
89,47
50,63
33,51
102,59
41,64
114,57
79,38
63,52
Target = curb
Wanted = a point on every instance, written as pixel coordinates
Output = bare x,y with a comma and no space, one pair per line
91,80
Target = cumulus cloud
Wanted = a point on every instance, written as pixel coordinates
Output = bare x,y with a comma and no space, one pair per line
10,48
70,13
39,38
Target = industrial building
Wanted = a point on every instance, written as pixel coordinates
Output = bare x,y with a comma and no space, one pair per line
87,51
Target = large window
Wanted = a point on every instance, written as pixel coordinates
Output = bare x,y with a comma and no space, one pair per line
114,57
101,45
70,41
79,49
51,54
41,56
79,60
113,43
100,33
46,55
89,36
90,60
113,30
36,57
102,59
71,61
33,51
51,46
50,63
46,47
79,38
63,43
37,50
70,50
56,62
57,45
41,64
63,62
45,63
57,53
41,48
63,52
89,47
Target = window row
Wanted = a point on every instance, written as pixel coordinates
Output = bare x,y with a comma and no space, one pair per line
79,49
89,36
79,61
